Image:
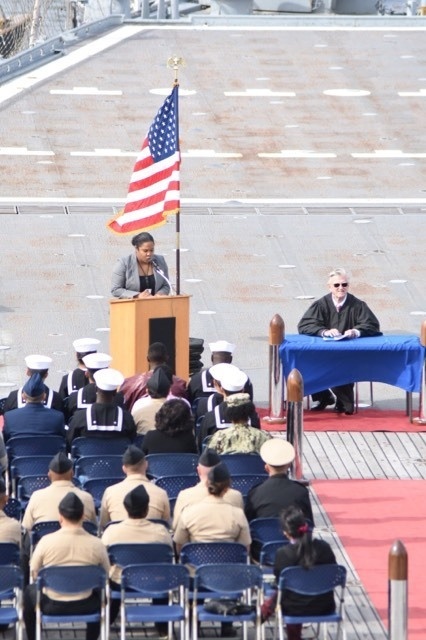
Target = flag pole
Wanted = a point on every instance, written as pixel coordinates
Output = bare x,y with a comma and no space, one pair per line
174,63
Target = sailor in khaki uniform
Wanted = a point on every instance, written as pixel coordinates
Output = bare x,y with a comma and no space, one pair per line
43,504
213,519
137,529
134,466
192,495
71,545
10,529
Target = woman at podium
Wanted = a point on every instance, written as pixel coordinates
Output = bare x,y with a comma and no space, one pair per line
142,273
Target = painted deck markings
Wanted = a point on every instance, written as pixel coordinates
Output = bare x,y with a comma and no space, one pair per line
33,77
191,153
209,153
346,93
115,153
421,93
166,91
388,153
85,91
23,151
298,153
259,93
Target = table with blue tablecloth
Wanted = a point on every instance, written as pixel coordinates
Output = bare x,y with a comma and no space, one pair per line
393,359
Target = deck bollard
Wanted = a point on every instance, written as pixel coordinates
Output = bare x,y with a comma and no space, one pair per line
398,589
422,410
295,421
276,377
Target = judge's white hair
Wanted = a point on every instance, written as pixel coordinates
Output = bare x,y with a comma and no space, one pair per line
339,272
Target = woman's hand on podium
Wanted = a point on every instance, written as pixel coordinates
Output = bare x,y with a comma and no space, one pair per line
145,294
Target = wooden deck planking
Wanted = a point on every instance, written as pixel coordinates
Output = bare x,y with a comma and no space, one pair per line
369,457
415,447
390,445
366,455
324,465
347,450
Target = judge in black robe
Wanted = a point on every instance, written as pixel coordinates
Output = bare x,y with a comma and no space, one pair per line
339,312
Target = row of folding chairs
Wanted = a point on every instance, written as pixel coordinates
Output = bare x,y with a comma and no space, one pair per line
144,575
266,533
173,472
82,446
161,464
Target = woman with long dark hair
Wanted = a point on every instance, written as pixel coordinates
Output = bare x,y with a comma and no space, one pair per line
304,551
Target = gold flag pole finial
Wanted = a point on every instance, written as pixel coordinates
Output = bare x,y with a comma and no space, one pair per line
174,63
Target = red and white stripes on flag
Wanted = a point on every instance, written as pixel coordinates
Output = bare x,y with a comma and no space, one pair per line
154,189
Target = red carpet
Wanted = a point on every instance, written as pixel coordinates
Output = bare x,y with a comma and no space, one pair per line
364,420
369,515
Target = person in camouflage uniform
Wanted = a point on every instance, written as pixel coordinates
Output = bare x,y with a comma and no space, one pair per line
240,437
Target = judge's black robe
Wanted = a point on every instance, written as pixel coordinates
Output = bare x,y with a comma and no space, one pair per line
323,315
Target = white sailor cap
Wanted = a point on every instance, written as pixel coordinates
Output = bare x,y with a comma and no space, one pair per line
108,379
221,345
231,378
38,363
86,345
277,452
97,360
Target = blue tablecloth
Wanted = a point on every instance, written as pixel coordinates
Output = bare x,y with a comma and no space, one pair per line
394,359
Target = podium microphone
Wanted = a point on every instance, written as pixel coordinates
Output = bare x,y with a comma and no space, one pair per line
161,272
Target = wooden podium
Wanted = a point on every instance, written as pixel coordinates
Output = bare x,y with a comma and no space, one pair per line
137,323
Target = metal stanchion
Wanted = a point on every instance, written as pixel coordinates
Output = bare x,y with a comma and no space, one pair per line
125,8
276,377
295,422
398,589
145,10
422,412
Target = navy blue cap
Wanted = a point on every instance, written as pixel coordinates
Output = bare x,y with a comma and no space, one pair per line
34,386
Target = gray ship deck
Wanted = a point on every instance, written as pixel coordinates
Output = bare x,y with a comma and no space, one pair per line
342,183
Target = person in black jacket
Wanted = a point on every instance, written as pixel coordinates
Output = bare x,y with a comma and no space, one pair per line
174,430
306,552
271,497
339,313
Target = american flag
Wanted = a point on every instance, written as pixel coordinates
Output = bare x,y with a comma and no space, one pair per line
154,185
